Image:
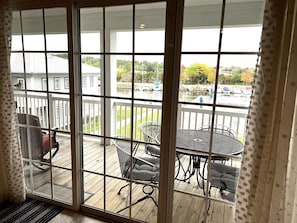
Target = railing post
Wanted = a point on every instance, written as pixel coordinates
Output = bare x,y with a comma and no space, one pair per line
51,108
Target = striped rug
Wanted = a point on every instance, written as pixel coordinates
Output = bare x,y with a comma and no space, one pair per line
30,211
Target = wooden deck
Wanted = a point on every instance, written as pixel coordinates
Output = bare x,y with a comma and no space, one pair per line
189,202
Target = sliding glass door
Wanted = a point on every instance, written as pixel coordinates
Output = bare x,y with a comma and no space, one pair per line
125,106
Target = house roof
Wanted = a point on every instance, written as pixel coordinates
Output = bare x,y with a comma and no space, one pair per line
35,63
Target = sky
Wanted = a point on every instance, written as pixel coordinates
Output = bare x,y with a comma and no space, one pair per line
203,40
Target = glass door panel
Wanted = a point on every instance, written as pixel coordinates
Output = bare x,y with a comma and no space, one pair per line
40,75
218,61
128,54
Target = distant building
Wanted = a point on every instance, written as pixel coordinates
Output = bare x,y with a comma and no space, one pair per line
58,73
41,104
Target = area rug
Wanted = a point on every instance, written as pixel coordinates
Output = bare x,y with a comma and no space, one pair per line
30,211
60,192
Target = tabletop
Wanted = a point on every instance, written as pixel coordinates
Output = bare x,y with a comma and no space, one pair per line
193,142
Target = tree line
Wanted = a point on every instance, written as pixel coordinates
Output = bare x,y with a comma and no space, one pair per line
196,73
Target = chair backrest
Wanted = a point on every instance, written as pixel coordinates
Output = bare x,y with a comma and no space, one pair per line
144,169
221,130
31,135
150,131
124,155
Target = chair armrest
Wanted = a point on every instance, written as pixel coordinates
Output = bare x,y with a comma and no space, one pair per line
145,175
145,161
153,149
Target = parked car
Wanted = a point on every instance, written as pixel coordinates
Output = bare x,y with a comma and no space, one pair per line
247,91
226,91
237,90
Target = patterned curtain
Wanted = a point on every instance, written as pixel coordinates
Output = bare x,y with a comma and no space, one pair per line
12,187
267,185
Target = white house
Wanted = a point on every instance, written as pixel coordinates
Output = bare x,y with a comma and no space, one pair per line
57,70
57,104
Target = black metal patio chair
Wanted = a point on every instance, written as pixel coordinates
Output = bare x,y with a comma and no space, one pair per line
220,129
150,131
144,170
225,178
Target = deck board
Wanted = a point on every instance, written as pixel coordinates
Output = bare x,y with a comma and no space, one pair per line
189,202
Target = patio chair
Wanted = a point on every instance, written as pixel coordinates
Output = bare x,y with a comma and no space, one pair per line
150,131
143,170
36,144
220,129
224,130
225,178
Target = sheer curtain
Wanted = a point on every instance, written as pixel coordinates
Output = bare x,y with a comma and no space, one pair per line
267,185
12,187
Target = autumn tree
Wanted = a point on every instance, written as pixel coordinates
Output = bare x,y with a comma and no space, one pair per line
246,76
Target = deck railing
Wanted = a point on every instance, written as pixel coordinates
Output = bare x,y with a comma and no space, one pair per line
188,117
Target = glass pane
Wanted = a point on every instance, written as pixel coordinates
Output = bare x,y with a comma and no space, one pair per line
148,77
35,68
32,21
183,206
197,76
93,154
93,190
62,185
122,113
36,177
121,66
17,70
91,78
118,18
91,26
248,40
92,115
146,39
203,39
57,65
16,39
114,201
244,13
63,157
56,29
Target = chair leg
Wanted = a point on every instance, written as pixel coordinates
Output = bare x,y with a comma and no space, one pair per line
208,200
39,166
148,195
119,192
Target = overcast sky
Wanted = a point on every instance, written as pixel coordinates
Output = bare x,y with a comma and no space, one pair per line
202,40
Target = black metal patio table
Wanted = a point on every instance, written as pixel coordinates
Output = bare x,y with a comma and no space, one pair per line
196,144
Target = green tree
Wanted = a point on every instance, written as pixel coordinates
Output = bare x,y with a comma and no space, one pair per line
120,74
92,61
211,76
236,78
198,73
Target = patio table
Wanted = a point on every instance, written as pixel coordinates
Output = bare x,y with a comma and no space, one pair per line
196,144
